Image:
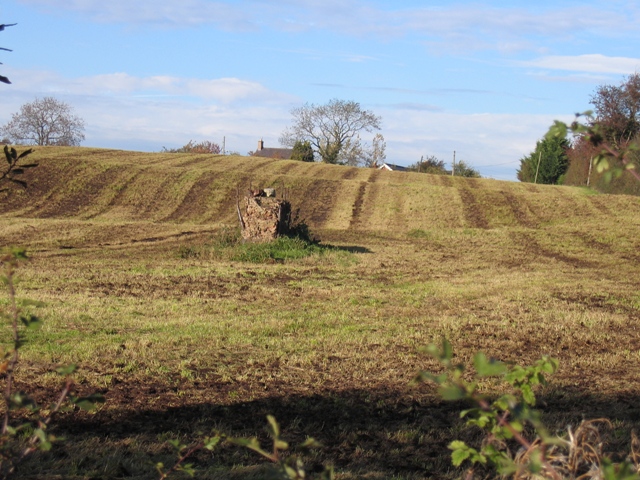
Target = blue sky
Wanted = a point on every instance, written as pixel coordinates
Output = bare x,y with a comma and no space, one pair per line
484,79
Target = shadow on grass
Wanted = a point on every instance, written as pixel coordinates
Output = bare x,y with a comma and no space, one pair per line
377,434
350,248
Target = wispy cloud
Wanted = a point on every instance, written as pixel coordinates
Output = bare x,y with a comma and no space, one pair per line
462,26
223,90
593,63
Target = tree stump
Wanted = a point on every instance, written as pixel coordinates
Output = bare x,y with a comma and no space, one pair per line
264,218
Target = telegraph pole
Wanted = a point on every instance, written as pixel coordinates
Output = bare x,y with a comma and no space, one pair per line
538,168
453,169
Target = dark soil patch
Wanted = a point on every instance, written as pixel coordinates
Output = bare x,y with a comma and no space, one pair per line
473,213
373,177
324,195
288,168
195,203
117,199
590,302
255,165
72,204
600,204
473,183
445,180
350,173
534,249
357,205
518,207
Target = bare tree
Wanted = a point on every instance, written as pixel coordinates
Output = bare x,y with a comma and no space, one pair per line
45,121
331,129
376,155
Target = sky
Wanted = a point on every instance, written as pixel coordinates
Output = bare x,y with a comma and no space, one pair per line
482,79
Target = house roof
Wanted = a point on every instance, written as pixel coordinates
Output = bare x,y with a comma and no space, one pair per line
391,166
280,153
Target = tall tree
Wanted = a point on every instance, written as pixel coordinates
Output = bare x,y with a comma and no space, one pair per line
45,121
331,129
377,154
548,161
617,110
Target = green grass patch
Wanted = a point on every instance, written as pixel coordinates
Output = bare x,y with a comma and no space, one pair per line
228,245
280,250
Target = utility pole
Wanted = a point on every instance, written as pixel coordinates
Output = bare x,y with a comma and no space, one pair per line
538,168
589,176
224,141
453,169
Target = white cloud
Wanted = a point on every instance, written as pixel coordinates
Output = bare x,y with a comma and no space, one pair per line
463,26
593,63
224,90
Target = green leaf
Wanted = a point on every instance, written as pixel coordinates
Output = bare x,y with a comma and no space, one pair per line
188,469
88,404
280,444
252,444
452,392
211,442
527,394
447,349
459,456
557,130
486,367
274,429
310,443
176,444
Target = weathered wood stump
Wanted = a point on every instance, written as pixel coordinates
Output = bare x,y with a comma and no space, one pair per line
264,218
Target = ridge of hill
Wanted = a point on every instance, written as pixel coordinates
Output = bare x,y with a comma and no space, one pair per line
115,185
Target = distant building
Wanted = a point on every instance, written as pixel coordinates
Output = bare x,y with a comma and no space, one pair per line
394,168
279,153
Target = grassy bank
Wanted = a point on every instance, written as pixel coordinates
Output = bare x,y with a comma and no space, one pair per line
181,336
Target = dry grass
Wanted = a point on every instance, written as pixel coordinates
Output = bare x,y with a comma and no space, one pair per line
329,343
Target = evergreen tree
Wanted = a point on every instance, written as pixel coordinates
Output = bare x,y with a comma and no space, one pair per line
551,153
303,151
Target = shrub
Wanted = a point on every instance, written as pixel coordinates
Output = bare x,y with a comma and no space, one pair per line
193,147
303,151
506,446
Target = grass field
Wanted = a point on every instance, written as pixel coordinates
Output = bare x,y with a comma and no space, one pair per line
181,338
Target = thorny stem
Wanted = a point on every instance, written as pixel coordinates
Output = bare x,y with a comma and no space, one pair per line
16,344
502,421
614,152
191,451
44,422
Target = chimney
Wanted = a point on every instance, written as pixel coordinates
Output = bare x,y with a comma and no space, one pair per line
260,144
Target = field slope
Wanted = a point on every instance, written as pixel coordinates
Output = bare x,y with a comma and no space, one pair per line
180,338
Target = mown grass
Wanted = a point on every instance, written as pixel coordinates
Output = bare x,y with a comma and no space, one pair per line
180,345
181,335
